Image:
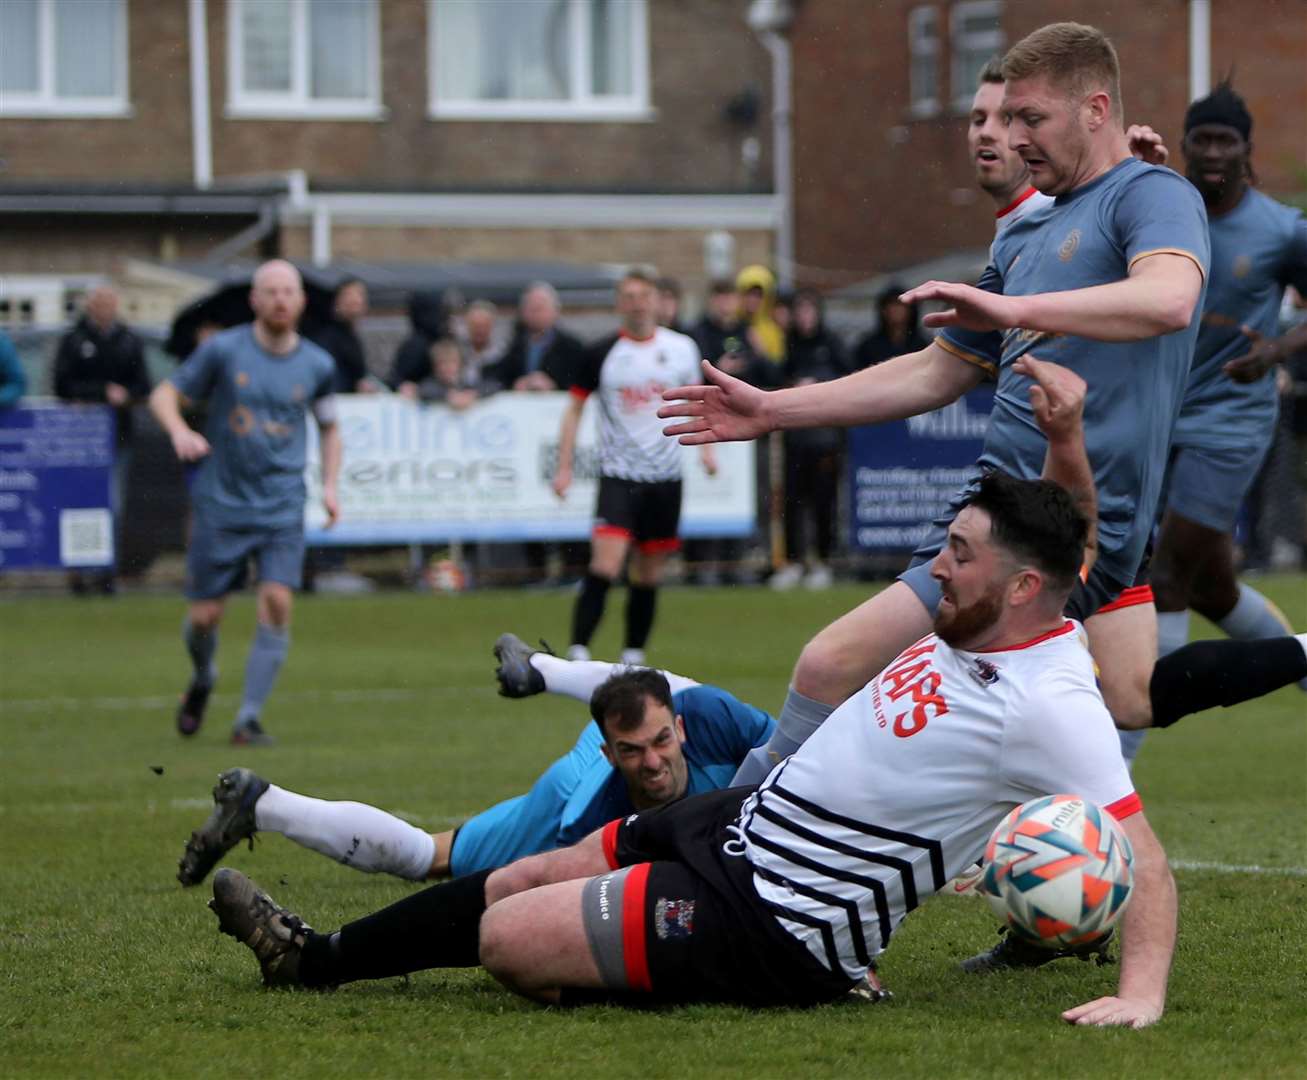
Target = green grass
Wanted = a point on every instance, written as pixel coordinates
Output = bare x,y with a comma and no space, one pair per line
108,967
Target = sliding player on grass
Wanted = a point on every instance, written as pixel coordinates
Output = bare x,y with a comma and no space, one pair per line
655,738
787,894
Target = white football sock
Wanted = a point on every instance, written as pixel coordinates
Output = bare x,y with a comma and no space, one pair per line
352,833
581,678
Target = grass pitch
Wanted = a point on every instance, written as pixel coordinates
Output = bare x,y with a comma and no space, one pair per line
109,968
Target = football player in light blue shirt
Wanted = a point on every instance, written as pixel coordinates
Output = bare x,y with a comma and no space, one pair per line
1227,418
260,380
1106,281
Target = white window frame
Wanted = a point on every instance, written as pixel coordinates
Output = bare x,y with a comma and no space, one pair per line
296,104
582,105
45,101
922,104
987,41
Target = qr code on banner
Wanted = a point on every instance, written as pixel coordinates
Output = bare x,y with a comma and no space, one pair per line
85,537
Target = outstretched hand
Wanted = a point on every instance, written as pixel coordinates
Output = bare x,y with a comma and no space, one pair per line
1114,1012
722,409
1057,396
972,308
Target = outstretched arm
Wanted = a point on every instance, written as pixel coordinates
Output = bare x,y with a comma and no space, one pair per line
1158,297
1147,942
726,409
1057,396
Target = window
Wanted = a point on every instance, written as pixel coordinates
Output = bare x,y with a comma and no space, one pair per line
976,34
539,59
299,58
923,57
63,58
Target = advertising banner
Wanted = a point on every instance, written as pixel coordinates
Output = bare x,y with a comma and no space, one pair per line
428,474
902,474
55,465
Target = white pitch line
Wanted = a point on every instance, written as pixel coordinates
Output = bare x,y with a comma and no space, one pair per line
338,697
1227,868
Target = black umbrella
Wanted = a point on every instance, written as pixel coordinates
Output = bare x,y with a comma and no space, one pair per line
229,305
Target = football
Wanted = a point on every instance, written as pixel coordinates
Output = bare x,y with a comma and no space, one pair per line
1058,871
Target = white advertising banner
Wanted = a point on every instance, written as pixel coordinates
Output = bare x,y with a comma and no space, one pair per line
426,473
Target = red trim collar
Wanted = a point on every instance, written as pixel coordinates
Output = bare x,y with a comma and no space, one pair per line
1065,628
1016,202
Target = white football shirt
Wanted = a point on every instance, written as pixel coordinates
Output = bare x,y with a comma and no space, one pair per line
630,376
1023,205
898,791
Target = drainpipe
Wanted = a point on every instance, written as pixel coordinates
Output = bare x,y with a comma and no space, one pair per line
1200,48
770,20
201,137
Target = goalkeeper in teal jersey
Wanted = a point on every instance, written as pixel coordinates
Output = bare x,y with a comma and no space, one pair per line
654,738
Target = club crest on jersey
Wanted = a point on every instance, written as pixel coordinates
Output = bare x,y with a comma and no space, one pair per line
983,671
673,919
1243,265
1069,245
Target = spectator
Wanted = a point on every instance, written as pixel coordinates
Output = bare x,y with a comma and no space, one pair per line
13,380
339,337
100,360
541,356
481,341
719,330
897,330
430,319
757,288
450,382
722,339
813,456
669,304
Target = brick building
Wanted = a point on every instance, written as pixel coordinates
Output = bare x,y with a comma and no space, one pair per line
588,131
882,89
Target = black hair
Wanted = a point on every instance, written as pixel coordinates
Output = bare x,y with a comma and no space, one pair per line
1035,520
669,285
1222,106
621,698
347,281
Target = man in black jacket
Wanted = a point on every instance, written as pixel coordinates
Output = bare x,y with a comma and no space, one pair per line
541,356
100,360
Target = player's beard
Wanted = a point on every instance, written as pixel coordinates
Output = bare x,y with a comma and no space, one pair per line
958,625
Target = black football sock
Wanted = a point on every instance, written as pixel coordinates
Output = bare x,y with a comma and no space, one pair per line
641,602
589,608
437,927
1208,673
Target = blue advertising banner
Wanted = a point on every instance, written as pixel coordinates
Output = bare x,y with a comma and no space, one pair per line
55,465
902,474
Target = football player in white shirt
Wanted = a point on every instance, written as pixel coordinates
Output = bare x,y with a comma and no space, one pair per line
785,896
639,499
